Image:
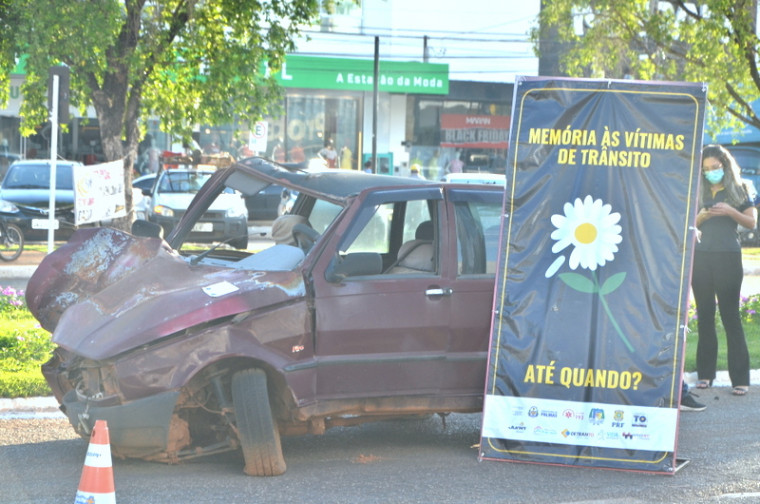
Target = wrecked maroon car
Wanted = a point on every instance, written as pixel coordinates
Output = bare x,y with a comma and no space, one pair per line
374,302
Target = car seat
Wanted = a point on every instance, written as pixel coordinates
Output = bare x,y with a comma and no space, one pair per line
282,228
416,255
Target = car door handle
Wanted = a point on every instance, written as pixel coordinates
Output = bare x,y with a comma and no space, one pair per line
437,291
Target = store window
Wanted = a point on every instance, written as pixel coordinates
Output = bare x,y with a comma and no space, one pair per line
452,136
313,122
307,126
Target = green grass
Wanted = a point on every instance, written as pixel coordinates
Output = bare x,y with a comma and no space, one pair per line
750,310
38,246
24,346
751,253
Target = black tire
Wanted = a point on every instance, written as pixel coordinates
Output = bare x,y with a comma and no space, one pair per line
11,245
257,429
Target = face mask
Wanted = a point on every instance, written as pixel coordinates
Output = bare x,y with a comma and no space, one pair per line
714,176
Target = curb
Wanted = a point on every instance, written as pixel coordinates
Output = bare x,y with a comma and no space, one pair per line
30,407
17,272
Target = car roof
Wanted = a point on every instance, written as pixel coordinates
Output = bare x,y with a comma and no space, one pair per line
476,178
38,162
200,169
334,184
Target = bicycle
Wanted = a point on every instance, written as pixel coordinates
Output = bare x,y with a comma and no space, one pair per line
11,241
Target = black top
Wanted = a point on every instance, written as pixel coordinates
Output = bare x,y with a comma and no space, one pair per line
719,234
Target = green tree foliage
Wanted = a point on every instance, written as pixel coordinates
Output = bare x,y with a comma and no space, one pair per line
711,41
184,61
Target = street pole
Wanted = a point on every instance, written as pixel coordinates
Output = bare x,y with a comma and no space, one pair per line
53,163
375,82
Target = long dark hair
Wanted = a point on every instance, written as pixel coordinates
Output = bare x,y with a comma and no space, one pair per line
736,192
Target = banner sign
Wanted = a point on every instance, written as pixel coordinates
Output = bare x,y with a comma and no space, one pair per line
99,192
592,288
474,131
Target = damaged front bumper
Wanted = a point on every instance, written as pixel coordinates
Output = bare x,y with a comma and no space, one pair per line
166,426
142,428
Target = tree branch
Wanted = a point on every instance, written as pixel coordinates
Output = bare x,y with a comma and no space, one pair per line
744,37
750,117
694,14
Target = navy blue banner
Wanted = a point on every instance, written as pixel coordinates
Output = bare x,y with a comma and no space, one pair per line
592,289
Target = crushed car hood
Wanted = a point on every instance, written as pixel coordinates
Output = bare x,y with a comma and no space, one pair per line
105,292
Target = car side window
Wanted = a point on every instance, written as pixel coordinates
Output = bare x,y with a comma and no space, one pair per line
375,236
418,253
478,224
400,235
322,214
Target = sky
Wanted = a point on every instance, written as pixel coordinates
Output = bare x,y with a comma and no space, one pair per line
480,40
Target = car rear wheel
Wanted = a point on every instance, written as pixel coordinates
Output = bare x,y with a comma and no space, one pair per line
257,429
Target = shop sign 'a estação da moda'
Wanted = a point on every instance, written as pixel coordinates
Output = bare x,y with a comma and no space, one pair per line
409,77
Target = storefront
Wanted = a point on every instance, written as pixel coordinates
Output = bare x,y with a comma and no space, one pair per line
329,101
421,118
465,131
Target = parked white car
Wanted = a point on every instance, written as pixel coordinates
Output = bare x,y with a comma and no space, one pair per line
170,196
139,200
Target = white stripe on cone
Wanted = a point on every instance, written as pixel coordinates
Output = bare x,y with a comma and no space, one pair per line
98,455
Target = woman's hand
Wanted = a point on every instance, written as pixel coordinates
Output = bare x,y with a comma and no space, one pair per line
748,218
703,215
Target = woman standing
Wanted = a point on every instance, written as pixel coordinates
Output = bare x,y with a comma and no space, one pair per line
718,271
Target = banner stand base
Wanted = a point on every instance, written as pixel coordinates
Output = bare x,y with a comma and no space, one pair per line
680,464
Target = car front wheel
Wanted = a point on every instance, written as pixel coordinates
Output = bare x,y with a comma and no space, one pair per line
259,437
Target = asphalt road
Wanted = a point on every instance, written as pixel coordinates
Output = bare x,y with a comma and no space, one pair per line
411,461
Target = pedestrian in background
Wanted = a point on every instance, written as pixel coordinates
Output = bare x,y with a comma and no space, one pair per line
724,204
329,155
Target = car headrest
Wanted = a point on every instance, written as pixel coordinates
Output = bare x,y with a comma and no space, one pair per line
282,228
424,231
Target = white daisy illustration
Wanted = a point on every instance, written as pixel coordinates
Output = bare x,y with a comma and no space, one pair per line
592,229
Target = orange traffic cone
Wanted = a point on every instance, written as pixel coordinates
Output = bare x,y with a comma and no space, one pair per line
96,485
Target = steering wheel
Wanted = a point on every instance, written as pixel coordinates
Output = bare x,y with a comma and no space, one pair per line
305,236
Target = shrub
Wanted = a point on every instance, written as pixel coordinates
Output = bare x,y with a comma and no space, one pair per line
750,309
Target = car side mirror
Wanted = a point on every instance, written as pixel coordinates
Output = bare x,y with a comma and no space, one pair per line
351,265
146,192
147,229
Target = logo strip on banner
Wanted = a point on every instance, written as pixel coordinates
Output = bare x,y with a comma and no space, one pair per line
591,299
